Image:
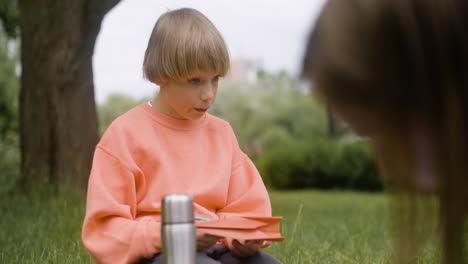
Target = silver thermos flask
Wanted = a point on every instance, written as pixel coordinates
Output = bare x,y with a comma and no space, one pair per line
178,230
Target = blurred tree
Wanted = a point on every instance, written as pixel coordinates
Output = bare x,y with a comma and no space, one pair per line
58,118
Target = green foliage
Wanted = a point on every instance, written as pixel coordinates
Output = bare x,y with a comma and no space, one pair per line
320,162
9,163
361,166
114,106
9,86
274,108
9,93
283,128
9,17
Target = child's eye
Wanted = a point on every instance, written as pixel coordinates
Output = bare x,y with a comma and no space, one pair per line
194,81
216,78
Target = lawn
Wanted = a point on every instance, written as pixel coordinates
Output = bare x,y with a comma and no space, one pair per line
320,227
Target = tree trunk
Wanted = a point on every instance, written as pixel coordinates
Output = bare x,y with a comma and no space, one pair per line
58,122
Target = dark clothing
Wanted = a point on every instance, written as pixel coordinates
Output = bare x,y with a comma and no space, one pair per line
220,254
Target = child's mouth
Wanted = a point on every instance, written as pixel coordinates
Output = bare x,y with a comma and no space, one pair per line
201,110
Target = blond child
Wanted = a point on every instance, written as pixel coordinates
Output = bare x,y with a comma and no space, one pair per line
172,145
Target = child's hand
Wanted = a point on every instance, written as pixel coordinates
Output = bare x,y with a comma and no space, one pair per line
205,241
247,249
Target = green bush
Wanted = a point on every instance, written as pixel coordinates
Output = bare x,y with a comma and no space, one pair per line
362,166
114,106
321,163
9,163
9,94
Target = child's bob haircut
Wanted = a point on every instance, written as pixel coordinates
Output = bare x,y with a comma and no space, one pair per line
183,42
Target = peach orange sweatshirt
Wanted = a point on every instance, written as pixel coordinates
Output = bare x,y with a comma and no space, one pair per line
145,155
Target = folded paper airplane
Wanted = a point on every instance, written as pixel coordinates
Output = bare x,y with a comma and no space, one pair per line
244,228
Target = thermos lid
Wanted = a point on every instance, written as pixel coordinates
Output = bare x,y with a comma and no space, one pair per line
177,208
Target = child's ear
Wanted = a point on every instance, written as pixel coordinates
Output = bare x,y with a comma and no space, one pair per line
159,82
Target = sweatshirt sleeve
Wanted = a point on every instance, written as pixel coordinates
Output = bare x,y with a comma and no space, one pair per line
247,195
110,231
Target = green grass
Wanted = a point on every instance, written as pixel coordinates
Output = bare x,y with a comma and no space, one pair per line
332,227
42,229
320,227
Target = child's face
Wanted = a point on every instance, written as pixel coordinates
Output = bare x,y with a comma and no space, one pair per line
188,99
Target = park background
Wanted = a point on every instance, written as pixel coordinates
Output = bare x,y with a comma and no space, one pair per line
68,69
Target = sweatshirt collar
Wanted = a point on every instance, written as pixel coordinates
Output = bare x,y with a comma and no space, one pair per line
171,122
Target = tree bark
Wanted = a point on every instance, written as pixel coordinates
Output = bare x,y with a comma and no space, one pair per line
58,122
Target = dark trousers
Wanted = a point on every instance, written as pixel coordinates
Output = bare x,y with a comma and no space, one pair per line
220,254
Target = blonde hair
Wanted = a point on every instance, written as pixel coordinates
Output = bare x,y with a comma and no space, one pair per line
184,41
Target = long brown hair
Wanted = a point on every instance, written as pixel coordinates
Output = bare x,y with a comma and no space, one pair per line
396,71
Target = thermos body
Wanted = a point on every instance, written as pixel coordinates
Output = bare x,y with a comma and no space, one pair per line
178,230
179,243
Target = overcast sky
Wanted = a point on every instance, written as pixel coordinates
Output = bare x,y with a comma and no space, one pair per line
271,31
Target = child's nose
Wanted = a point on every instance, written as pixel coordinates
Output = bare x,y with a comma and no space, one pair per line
208,93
